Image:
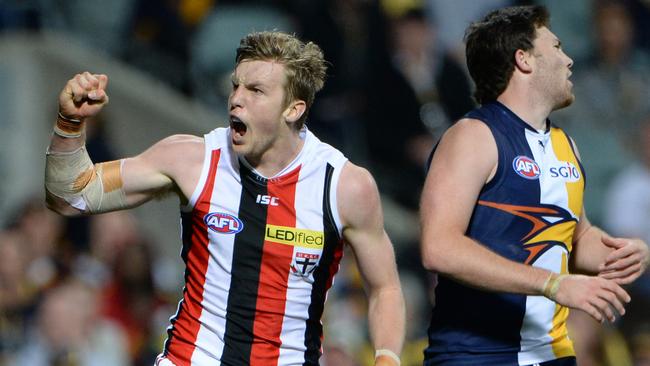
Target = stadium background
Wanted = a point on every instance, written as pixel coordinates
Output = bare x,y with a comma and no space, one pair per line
106,286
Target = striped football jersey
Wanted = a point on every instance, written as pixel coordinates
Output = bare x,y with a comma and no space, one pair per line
260,255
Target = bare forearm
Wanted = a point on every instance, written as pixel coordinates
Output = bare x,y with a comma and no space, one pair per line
469,262
589,251
386,317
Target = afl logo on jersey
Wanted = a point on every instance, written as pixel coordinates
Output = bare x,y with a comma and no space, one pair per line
223,223
526,167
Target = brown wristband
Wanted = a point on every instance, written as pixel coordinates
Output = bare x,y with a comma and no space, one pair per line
68,127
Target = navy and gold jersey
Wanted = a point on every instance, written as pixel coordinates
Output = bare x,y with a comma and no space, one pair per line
527,213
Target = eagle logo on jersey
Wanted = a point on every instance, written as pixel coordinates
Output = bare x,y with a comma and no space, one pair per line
223,223
550,226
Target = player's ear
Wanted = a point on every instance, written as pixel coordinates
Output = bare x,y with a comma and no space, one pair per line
523,61
294,111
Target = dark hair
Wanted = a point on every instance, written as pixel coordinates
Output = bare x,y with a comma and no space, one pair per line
304,63
491,44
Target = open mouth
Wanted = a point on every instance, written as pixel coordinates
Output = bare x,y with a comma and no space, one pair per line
237,125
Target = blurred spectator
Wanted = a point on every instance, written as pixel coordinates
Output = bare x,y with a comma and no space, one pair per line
45,246
439,82
14,291
393,110
109,235
17,296
68,332
132,301
161,32
612,93
427,89
627,212
627,203
33,257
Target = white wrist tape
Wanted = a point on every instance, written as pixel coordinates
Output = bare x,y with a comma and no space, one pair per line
91,188
552,285
389,353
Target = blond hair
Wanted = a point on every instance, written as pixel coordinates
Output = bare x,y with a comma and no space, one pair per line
304,63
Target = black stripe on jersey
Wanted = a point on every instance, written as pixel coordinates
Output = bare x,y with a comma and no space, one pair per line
186,234
246,264
314,329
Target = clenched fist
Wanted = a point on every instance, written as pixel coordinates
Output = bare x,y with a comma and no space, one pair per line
83,96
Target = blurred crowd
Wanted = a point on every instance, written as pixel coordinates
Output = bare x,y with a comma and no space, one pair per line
94,291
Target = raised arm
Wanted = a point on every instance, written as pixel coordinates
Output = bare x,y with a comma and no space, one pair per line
360,210
465,160
74,185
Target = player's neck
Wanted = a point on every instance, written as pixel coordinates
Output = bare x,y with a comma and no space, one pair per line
534,114
278,157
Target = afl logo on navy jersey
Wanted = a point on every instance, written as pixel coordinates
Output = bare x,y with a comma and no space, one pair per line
223,223
526,167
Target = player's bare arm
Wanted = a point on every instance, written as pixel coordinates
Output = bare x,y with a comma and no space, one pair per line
622,260
75,185
360,209
464,162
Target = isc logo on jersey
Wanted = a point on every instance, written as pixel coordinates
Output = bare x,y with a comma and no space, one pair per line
526,167
223,223
267,200
566,171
